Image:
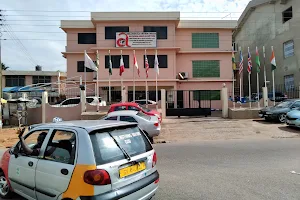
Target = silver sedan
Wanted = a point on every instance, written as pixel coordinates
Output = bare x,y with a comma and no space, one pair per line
149,124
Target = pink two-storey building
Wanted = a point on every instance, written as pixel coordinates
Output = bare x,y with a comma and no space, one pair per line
199,50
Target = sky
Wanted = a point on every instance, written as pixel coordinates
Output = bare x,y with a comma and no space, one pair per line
28,42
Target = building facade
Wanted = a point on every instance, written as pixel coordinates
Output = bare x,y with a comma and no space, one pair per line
271,23
199,50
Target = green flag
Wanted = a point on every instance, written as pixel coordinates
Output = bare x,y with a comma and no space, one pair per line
110,65
257,61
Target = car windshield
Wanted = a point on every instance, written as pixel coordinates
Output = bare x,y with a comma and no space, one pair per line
114,144
143,115
144,108
284,104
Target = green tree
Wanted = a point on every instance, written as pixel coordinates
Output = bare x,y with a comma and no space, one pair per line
4,67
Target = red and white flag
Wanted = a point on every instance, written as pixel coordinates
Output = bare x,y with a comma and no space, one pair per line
146,66
135,63
122,68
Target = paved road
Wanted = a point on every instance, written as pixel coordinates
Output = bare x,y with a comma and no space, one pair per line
234,169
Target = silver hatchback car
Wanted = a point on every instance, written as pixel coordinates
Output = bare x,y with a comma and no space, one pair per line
82,160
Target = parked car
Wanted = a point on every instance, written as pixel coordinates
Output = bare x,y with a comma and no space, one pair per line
149,124
279,111
136,107
96,159
279,96
293,118
144,102
76,100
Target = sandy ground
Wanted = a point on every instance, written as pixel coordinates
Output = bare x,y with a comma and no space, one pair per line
215,128
199,129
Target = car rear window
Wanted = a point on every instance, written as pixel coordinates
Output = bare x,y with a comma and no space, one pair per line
131,139
143,115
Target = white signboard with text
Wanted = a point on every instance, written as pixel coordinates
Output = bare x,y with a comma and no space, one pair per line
136,39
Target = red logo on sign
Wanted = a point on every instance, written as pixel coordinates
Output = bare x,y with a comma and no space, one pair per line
123,40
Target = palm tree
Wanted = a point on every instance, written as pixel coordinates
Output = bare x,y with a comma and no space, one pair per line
4,67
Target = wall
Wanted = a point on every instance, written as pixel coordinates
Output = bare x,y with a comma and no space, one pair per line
264,27
66,113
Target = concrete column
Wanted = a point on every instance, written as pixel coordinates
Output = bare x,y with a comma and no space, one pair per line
163,103
224,99
175,96
44,102
265,96
83,100
124,94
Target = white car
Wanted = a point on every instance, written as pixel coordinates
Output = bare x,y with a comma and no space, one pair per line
144,102
76,100
149,124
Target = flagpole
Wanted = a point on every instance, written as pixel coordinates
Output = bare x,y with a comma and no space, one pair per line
233,68
122,83
257,79
156,84
146,89
109,87
240,73
249,76
97,84
273,77
84,74
265,75
133,79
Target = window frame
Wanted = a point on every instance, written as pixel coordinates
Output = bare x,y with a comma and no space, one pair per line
80,65
94,40
109,118
195,45
53,132
115,59
202,76
284,48
159,36
284,12
15,77
114,30
38,78
162,65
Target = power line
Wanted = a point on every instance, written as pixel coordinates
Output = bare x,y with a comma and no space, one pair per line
114,12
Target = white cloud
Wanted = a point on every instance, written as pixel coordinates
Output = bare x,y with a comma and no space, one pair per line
48,53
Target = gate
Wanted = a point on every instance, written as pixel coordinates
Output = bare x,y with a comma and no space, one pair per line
188,103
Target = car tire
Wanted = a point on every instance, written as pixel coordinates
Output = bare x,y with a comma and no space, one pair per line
5,193
282,118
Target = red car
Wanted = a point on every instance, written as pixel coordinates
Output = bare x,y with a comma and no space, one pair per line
134,106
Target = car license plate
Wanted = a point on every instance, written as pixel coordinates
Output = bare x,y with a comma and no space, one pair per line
132,169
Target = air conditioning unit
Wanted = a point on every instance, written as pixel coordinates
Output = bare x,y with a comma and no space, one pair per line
183,75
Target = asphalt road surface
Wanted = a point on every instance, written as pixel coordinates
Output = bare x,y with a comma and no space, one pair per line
233,169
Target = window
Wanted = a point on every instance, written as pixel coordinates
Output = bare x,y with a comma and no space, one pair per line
133,108
131,139
206,68
41,79
288,49
127,119
161,31
14,81
143,115
120,108
162,60
206,95
62,147
86,38
110,31
32,141
71,102
289,83
112,118
80,67
287,14
115,59
296,104
205,40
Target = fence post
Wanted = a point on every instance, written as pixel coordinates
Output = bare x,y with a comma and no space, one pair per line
163,103
265,96
83,98
224,99
44,102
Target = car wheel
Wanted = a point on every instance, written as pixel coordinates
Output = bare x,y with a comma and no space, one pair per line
5,191
282,118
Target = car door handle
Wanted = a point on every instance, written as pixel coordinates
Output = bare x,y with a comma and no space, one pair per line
30,163
64,171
